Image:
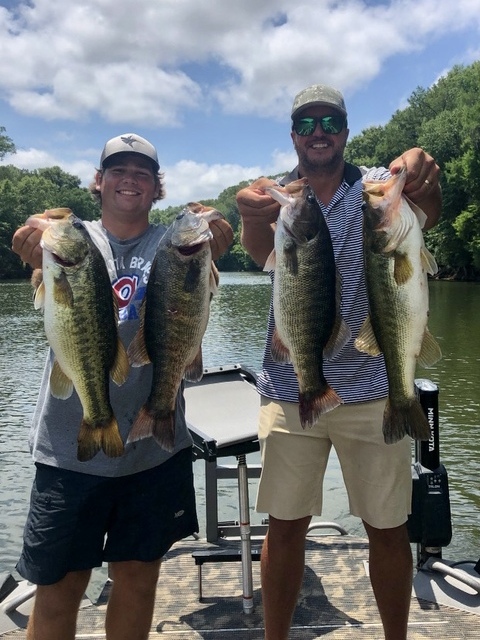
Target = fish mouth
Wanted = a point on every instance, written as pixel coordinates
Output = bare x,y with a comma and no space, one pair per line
190,250
62,261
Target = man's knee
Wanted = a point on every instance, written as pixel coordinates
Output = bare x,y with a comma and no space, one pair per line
288,531
141,577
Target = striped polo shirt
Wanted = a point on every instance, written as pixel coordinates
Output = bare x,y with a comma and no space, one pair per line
355,376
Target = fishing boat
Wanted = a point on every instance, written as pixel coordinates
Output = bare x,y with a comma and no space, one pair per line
210,587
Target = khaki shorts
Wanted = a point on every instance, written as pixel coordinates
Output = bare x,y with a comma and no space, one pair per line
377,476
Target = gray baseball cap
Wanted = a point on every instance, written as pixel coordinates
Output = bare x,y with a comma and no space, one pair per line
130,143
318,95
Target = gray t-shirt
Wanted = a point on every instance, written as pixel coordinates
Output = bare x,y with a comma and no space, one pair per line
56,423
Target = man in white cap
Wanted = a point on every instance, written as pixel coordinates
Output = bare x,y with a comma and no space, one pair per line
126,510
294,459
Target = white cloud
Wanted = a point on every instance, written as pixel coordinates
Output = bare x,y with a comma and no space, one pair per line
188,181
151,64
29,159
137,59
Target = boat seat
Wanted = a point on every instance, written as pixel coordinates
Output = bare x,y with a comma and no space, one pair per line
222,416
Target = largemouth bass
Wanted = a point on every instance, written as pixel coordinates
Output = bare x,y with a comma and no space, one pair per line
306,298
396,267
174,317
80,318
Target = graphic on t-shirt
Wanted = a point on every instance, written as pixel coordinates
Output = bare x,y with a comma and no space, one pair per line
130,288
130,296
125,287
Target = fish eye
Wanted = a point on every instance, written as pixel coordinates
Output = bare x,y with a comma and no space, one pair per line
77,224
180,216
310,198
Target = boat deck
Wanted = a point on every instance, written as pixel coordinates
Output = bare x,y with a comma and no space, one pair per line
336,600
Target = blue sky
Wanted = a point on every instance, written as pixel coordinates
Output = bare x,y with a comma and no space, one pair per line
211,82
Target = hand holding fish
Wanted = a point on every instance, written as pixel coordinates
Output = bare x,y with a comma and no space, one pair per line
222,237
422,184
26,239
258,211
256,205
222,232
26,244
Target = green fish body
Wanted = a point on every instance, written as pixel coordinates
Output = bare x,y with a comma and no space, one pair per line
80,318
306,298
396,267
174,318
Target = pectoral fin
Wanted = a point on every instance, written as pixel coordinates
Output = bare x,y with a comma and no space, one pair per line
270,264
39,297
137,349
428,262
366,342
430,352
61,386
194,371
214,280
279,351
402,268
341,332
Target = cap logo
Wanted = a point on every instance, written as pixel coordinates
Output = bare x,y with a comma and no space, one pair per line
129,140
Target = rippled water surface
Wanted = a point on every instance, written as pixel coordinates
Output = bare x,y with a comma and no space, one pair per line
236,335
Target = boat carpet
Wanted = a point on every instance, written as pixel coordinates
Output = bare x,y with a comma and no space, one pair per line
336,601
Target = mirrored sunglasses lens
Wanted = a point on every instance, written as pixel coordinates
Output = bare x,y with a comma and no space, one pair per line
332,124
305,126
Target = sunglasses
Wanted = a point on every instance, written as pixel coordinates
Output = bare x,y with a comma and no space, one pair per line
328,124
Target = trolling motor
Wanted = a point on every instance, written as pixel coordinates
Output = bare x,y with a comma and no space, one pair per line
430,523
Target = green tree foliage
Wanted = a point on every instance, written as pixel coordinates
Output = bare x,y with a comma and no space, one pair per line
6,144
444,120
24,193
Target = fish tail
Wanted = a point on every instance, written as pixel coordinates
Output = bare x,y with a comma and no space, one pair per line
313,404
92,438
399,421
142,427
164,431
112,443
89,441
417,423
159,426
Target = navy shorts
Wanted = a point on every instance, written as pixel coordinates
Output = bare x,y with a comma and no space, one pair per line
78,521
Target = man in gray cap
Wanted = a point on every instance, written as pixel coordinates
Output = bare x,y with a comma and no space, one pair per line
318,95
377,475
125,510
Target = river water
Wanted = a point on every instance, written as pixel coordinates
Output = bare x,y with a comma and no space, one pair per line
236,335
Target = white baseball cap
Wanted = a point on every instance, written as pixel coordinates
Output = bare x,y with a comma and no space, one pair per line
130,143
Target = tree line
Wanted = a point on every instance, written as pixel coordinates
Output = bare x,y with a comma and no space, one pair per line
444,120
